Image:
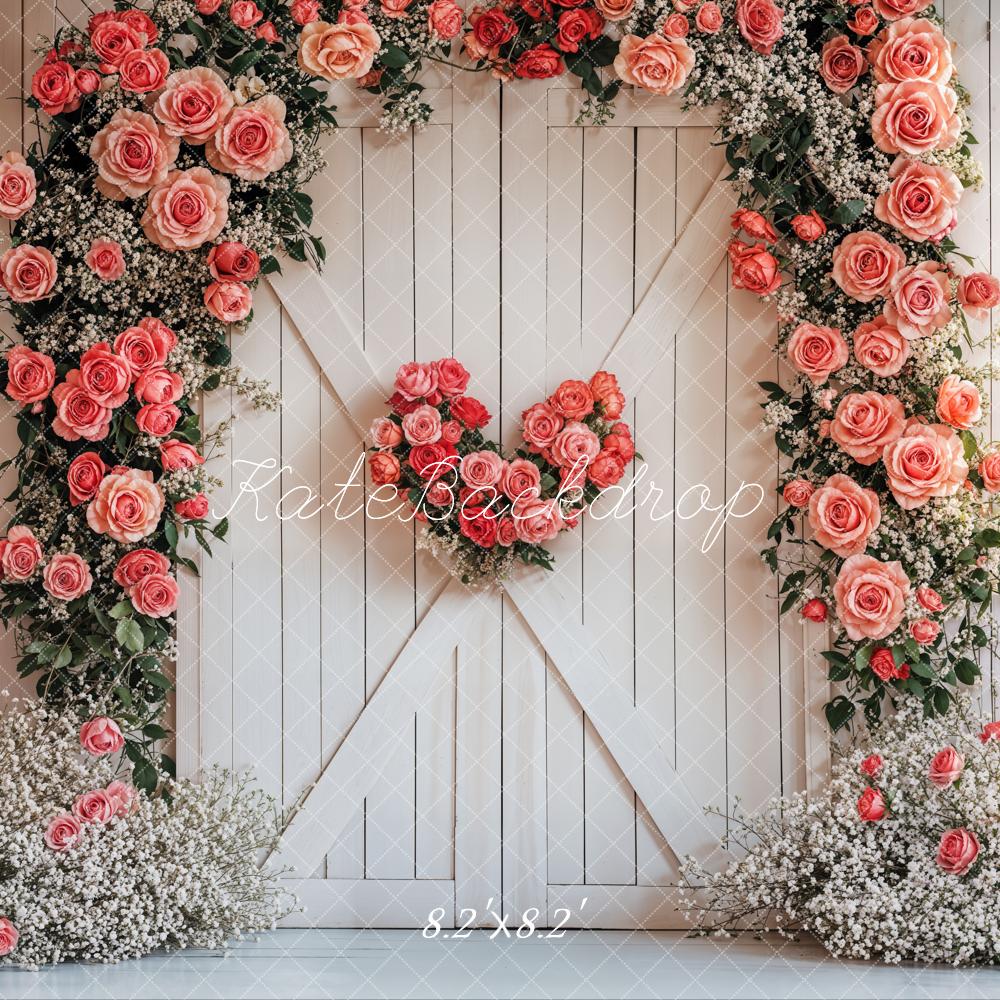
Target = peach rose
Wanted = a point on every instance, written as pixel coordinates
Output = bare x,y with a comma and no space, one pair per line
146,345
892,10
655,63
926,461
385,433
78,414
157,385
105,259
228,301
959,403
754,268
106,376
481,469
17,186
989,471
759,22
422,425
864,22
521,479
817,351
20,554
709,18
133,154
871,597
841,64
155,595
134,565
253,141
94,807
843,514
30,375
864,265
143,71
922,201
865,422
541,423
576,445
915,117
63,832
101,735
911,49
957,851
615,10
880,347
193,104
179,455
924,631
978,293
187,209
809,228
157,419
676,26
28,273
127,506
797,493
917,303
338,51
536,520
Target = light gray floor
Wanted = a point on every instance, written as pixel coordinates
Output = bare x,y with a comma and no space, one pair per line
343,963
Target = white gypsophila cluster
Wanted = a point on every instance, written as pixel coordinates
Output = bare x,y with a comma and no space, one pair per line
178,870
874,889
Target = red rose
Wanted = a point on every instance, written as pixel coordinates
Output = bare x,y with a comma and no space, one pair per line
193,509
493,28
814,610
573,400
231,261
809,227
478,525
452,377
469,412
84,475
884,667
432,461
539,63
871,765
754,268
54,87
576,25
871,805
384,468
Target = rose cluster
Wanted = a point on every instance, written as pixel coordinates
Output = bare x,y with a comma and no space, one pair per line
485,509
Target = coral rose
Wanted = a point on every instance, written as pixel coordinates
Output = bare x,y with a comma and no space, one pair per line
305,11
521,479
101,735
179,455
146,345
17,186
843,514
957,851
606,469
105,259
338,51
606,392
917,303
922,201
911,49
28,273
133,154
978,293
253,141
871,765
929,599
708,20
30,375
573,400
615,10
20,554
926,461
797,493
814,610
676,26
157,419
193,509
809,228
959,403
112,39
143,71
385,433
78,414
83,476
871,597
892,10
62,833
105,375
232,261
157,385
755,268
871,805
127,506
759,22
444,19
67,577
924,631
193,104
817,351
54,87
155,595
228,301
139,563
244,13
754,224
864,265
915,117
187,209
865,21
384,468
536,520
880,347
865,422
655,63
841,64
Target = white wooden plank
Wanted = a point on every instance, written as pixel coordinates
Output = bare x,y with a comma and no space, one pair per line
619,907
633,108
607,292
369,902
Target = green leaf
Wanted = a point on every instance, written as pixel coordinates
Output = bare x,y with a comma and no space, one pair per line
154,731
192,27
144,776
839,712
848,212
393,57
129,634
121,610
170,533
967,671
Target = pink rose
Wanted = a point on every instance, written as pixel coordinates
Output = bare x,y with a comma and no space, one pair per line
655,63
576,445
929,599
105,259
187,209
865,21
880,347
416,381
228,301
62,833
922,201
67,577
88,81
232,261
78,414
541,424
20,554
917,304
30,375
754,268
444,19
9,937
915,117
871,597
676,26
193,509
871,765
137,564
28,272
133,154
924,631
989,470
338,51
864,265
978,293
146,345
94,807
871,805
155,595
305,11
958,403
865,422
843,514
106,376
957,851
157,419
615,10
157,385
112,39
268,32
892,10
481,469
817,351
207,7
926,461
17,186
911,49
814,610
709,18
536,520
809,228
759,22
143,71
244,13
54,87
386,433
122,796
253,141
452,377
797,493
127,506
422,425
451,431
84,476
521,479
193,104
101,735
395,9
179,455
841,64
